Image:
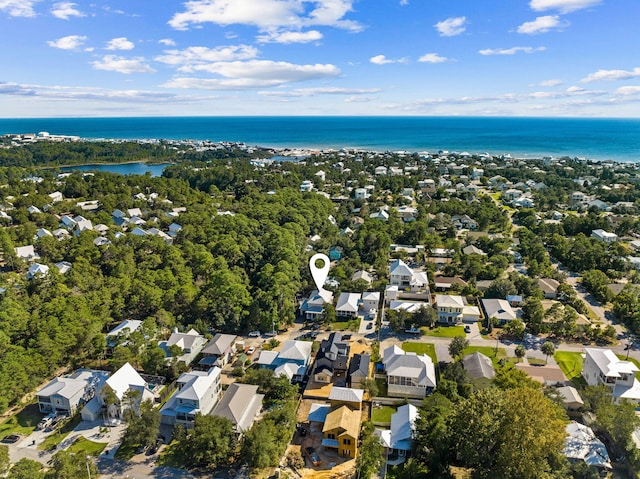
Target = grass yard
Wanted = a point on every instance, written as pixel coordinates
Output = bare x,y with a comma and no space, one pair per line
126,451
489,352
87,448
536,361
382,414
352,325
571,365
444,331
58,436
171,456
421,348
23,422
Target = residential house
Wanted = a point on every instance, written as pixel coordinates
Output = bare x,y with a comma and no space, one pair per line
499,309
291,361
335,253
370,301
514,300
408,374
56,196
360,194
190,343
398,440
445,283
341,430
306,186
63,266
342,396
219,350
124,389
571,399
381,170
407,213
382,215
67,394
42,233
241,404
549,287
472,249
119,334
312,308
348,305
405,278
26,253
581,444
603,367
198,392
453,309
479,368
333,355
358,370
464,222
37,270
604,236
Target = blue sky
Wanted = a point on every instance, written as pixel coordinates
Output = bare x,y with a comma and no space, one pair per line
320,57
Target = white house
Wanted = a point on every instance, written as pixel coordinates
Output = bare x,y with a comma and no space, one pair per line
405,278
603,367
408,374
26,253
198,393
122,331
499,309
581,444
398,440
129,391
370,300
348,305
604,236
191,343
37,270
313,307
65,395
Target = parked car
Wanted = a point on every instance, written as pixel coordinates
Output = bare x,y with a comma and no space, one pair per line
11,439
254,334
369,325
46,421
467,329
251,350
313,456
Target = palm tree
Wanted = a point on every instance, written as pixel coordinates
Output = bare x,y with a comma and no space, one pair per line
548,348
520,351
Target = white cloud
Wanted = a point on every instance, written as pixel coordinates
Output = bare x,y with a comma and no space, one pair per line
70,42
542,25
186,59
510,51
84,93
358,99
612,75
65,10
290,37
548,83
253,74
167,41
383,60
306,92
451,26
123,65
628,90
19,8
266,14
563,6
404,2
120,43
432,58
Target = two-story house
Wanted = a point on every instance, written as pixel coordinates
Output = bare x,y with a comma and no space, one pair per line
332,359
398,440
408,374
241,404
292,360
348,305
198,392
603,367
67,394
218,351
342,422
190,344
404,277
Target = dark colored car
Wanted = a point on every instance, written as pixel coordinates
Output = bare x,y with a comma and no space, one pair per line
10,439
370,326
467,329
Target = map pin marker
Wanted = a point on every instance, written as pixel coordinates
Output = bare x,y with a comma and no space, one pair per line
319,275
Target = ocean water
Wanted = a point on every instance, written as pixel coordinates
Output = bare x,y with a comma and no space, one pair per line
597,139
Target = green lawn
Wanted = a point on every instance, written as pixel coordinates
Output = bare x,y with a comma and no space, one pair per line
536,361
444,331
126,451
571,365
58,436
489,352
87,448
24,422
171,457
382,414
352,325
421,348
382,387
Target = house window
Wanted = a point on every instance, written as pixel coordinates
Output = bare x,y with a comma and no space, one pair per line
346,442
331,436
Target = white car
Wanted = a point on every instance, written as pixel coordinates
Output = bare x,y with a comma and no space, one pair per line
251,350
254,334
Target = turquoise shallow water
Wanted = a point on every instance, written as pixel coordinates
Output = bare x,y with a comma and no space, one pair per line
598,139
